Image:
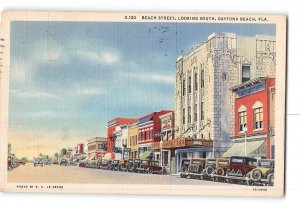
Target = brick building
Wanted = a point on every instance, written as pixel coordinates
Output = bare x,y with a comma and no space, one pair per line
114,131
254,119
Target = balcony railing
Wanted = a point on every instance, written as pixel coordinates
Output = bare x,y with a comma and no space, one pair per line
183,142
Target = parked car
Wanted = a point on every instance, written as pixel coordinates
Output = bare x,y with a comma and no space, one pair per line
47,162
55,162
38,162
136,165
240,168
11,162
82,163
143,166
63,162
73,162
264,172
155,168
114,165
196,168
222,169
93,163
129,165
122,165
184,168
105,164
210,168
21,162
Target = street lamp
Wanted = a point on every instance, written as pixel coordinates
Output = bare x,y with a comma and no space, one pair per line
245,132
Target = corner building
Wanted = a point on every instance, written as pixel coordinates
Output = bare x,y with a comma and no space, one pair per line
204,103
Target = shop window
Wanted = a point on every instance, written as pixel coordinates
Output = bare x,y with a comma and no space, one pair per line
242,121
258,118
245,73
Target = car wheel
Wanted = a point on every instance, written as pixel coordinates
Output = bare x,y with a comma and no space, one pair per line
270,178
256,175
150,170
220,171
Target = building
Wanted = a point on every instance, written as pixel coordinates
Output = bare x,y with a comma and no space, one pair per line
254,119
114,133
95,147
149,132
133,140
204,103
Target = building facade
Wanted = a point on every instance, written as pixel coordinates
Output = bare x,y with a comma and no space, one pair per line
114,132
133,140
254,119
204,103
149,132
95,147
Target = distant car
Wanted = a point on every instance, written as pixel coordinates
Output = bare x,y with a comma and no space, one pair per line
63,162
136,164
210,168
73,163
38,162
264,172
114,165
11,162
55,162
122,165
82,163
105,164
222,169
21,162
184,168
196,168
47,162
129,165
153,167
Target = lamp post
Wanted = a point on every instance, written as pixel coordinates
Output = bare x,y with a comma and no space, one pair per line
245,132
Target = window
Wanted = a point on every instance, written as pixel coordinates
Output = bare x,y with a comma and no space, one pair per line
258,118
183,116
189,115
202,78
189,84
245,73
150,134
195,113
196,81
202,110
242,121
183,87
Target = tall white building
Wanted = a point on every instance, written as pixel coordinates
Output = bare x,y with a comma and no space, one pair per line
204,104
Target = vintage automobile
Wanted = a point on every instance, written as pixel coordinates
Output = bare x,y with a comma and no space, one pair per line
93,163
11,162
136,165
122,165
129,165
264,172
210,168
184,168
47,162
105,164
82,163
38,162
143,166
73,162
63,162
151,167
114,165
21,162
196,168
222,169
55,162
240,168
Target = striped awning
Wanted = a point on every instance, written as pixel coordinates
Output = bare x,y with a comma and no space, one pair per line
242,149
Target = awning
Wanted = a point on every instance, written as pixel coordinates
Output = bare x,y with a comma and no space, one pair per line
107,156
186,150
144,120
242,149
145,155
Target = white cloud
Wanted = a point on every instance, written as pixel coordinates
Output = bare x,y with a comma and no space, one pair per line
20,70
34,94
108,58
89,91
163,79
147,77
42,114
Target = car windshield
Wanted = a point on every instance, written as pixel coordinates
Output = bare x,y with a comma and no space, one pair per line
237,160
265,163
145,162
211,161
116,161
197,162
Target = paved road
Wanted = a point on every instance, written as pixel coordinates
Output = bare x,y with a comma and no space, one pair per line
74,174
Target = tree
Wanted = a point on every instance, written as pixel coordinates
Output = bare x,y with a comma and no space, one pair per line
63,151
9,148
56,155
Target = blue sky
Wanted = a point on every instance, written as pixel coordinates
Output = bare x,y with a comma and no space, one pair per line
70,78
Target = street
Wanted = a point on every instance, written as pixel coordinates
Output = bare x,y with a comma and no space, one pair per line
75,174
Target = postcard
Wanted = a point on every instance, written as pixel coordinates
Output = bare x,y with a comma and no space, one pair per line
143,103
